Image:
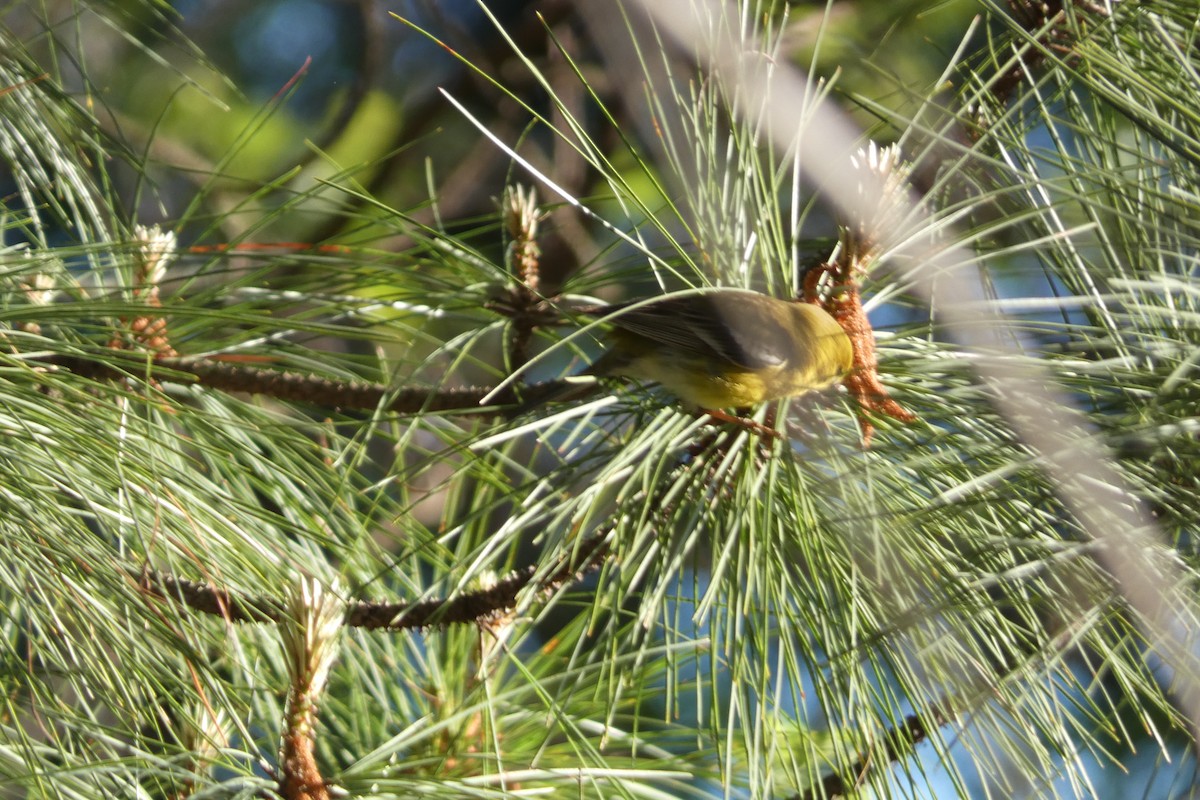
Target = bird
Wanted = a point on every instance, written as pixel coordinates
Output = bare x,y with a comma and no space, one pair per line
723,348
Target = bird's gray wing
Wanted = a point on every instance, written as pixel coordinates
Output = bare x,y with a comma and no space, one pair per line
732,327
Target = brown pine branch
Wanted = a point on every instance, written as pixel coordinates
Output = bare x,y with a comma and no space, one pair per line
294,386
208,599
468,607
897,742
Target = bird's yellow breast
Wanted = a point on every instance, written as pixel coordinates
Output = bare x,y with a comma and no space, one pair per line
699,385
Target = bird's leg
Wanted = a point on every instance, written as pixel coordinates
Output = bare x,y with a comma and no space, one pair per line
745,423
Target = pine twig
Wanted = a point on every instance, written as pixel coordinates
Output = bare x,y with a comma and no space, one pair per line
467,607
293,386
912,731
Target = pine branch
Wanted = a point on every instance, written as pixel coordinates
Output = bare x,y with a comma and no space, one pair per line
897,742
467,607
297,387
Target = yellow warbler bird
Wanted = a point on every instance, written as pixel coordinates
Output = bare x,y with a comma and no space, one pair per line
725,348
